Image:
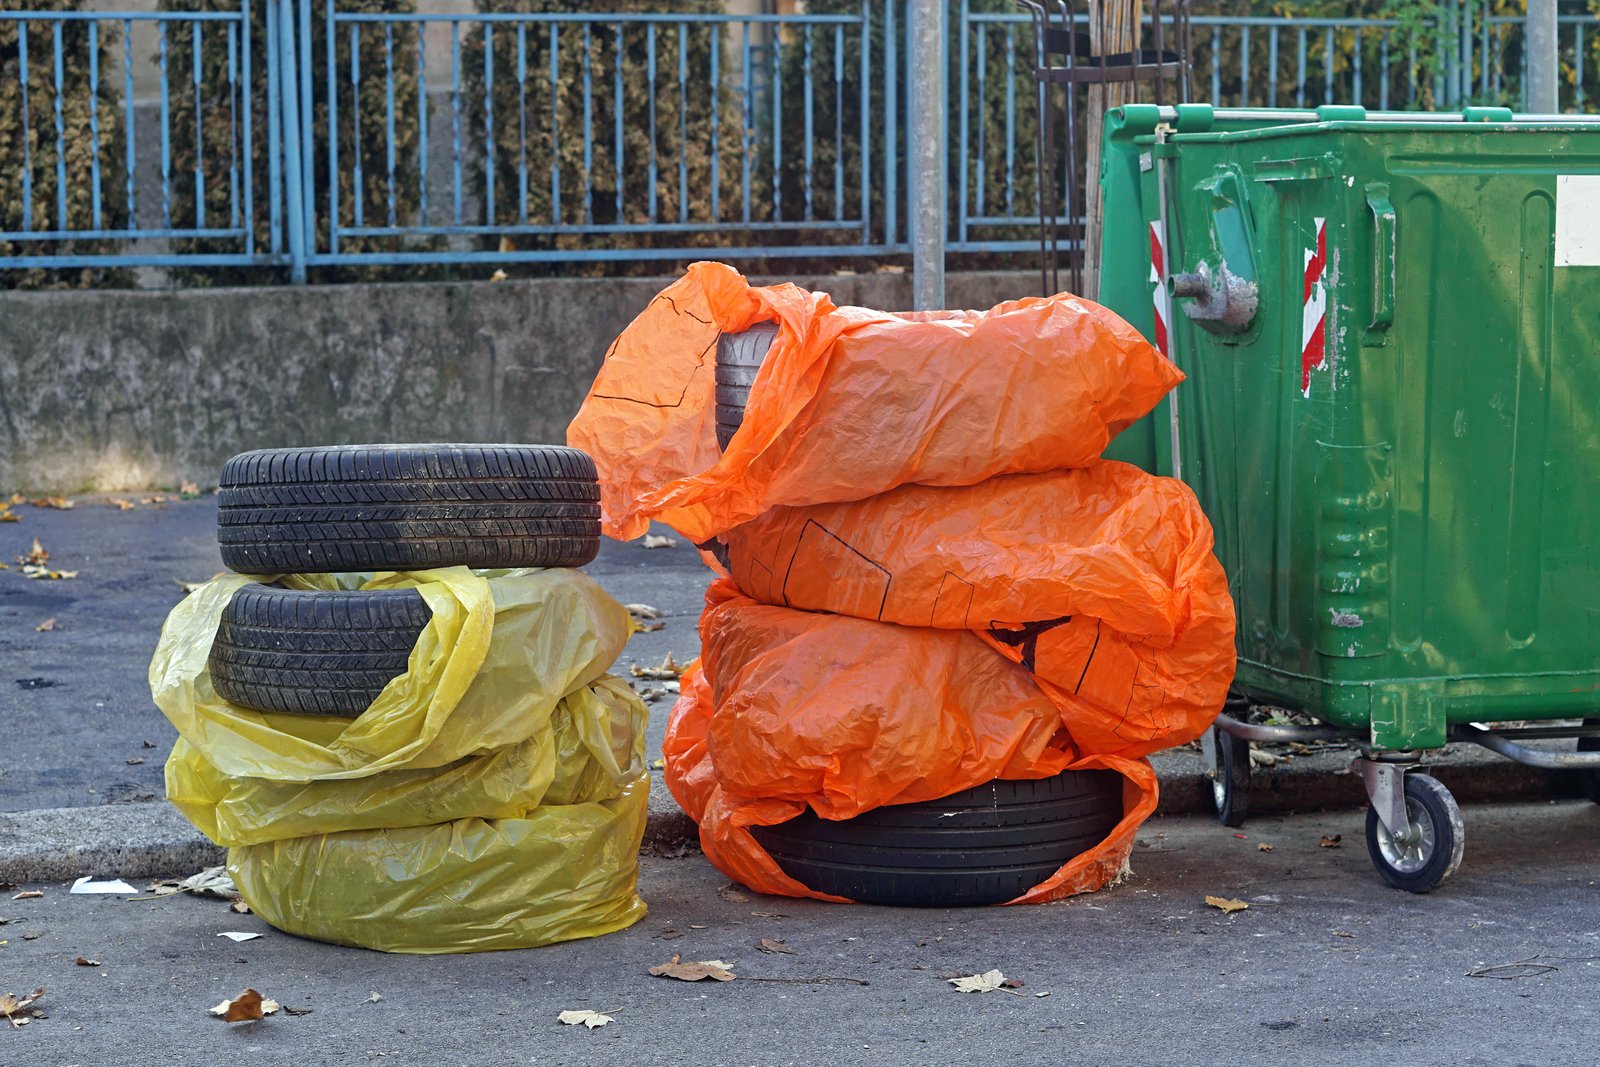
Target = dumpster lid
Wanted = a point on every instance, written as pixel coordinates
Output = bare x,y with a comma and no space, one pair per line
1204,119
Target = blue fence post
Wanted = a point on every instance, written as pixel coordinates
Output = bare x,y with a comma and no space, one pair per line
287,116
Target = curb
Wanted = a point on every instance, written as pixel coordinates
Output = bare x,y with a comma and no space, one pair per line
149,840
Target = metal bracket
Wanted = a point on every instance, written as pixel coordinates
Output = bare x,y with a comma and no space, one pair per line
1386,788
1222,297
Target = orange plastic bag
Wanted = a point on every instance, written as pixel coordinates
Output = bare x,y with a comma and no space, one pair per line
1101,581
795,709
850,402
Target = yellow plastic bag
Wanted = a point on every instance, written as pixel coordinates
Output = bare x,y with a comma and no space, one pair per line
502,649
591,748
563,872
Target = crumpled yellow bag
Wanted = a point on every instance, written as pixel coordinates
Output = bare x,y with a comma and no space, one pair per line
502,649
493,796
563,872
592,747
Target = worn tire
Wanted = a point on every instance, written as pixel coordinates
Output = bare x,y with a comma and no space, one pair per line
314,653
407,507
739,357
986,845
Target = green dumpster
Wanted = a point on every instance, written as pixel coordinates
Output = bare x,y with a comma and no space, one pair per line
1391,327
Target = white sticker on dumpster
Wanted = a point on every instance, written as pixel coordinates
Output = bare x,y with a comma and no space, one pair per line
1578,220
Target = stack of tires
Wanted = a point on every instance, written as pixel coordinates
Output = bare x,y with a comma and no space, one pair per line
379,508
395,712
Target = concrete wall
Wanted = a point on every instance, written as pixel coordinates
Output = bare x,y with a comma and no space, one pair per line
111,390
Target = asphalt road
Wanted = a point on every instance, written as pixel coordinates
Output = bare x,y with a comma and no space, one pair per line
1327,966
80,727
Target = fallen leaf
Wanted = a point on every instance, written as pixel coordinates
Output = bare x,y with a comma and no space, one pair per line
12,1007
238,935
123,505
733,895
774,945
33,570
1331,840
38,555
668,669
716,970
238,905
658,764
29,894
7,515
82,962
60,503
1341,933
295,1011
46,626
246,1007
590,1019
157,500
500,276
987,982
670,934
188,490
135,761
373,999
769,914
1227,904
1046,993
652,541
1263,847
30,937
1013,983
643,611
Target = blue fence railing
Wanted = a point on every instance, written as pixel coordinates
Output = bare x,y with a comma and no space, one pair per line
296,134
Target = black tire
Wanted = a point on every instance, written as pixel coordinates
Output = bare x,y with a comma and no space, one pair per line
739,357
314,653
1420,867
986,845
1230,789
407,507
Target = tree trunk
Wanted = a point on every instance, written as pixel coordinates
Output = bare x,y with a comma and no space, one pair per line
1113,28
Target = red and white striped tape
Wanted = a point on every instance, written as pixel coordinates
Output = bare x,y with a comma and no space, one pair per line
1158,287
1314,309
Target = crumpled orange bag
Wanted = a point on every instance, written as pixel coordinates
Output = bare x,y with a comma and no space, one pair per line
1101,581
850,402
790,709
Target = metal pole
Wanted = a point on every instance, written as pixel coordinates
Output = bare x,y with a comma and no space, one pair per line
926,33
1542,62
288,116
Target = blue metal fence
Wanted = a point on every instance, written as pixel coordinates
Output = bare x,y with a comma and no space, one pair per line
298,135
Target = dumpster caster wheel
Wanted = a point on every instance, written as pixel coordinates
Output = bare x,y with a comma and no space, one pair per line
1589,780
1429,849
1230,776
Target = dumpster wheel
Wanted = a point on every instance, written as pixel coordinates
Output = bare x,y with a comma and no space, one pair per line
1229,771
1589,780
1430,849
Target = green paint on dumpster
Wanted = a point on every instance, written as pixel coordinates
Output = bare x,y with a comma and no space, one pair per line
1400,449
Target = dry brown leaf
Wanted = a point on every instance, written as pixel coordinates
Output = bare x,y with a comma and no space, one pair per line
1013,983
295,1011
1263,847
60,503
1331,840
774,945
84,962
188,490
46,626
668,668
123,505
716,970
733,894
1227,904
7,515
239,906
246,1007
1341,933
38,555
15,1008
30,570
154,499
29,894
